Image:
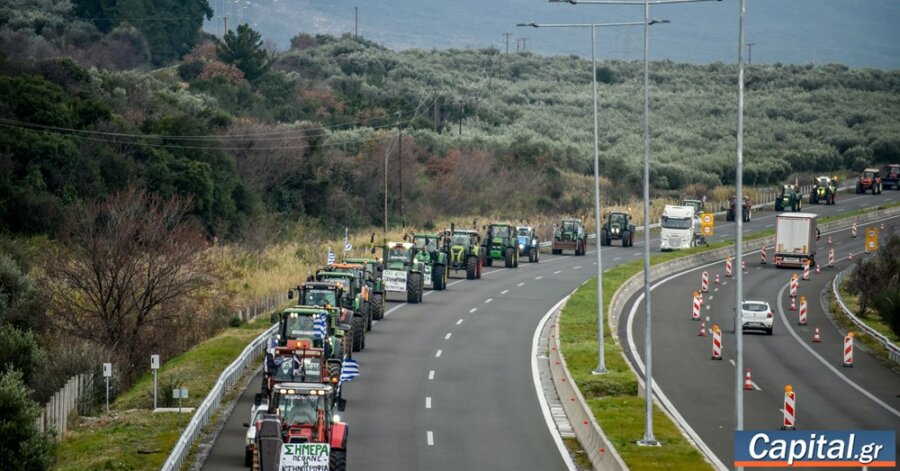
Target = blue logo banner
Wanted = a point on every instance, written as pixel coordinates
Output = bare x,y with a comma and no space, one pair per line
819,448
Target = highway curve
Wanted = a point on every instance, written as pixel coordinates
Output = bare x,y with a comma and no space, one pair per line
829,396
478,410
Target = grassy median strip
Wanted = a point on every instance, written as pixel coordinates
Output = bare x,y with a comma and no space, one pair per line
133,437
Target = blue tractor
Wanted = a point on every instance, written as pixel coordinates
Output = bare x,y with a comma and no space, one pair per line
529,245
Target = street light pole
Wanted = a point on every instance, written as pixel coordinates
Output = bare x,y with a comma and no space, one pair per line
601,362
739,239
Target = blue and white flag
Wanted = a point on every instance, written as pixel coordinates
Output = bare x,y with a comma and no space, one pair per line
330,256
347,245
271,345
320,330
349,370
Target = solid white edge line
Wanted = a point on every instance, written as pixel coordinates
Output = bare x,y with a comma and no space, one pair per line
825,362
430,438
545,408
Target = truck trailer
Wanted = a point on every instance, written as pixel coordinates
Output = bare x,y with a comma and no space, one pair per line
795,239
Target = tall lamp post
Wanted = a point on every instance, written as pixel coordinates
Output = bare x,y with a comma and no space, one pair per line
648,439
601,362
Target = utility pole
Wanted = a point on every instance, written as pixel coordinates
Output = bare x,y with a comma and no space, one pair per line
400,160
460,116
507,35
524,44
750,53
355,22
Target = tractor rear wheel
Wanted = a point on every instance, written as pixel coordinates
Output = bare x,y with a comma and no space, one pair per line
603,239
337,460
626,239
471,267
508,258
358,330
537,253
366,310
414,288
437,277
377,307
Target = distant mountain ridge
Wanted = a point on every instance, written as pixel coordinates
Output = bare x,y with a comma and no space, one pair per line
857,34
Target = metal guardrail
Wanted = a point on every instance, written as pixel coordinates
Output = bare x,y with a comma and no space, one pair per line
209,405
893,350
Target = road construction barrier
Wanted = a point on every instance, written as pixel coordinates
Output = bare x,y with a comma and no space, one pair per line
831,257
704,282
743,265
818,270
853,230
794,285
717,279
748,383
700,295
763,256
717,343
816,337
789,408
806,270
702,329
850,256
848,350
829,240
802,310
695,310
727,266
793,304
892,349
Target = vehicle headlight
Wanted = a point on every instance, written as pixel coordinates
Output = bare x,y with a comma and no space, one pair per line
615,230
521,246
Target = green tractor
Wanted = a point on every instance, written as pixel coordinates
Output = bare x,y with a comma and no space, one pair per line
824,188
501,244
374,279
403,272
353,300
360,287
464,246
617,227
315,298
569,236
430,252
789,198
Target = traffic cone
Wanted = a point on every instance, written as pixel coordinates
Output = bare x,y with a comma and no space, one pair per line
829,240
702,329
850,256
744,265
793,305
817,269
816,338
748,384
717,279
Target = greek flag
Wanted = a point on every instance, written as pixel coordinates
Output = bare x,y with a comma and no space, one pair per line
330,256
347,245
349,370
270,348
320,330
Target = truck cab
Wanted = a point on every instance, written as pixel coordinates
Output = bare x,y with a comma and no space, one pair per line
677,228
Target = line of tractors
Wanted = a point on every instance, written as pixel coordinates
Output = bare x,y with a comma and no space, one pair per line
295,417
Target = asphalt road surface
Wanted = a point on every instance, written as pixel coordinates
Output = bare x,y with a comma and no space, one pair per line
828,396
446,384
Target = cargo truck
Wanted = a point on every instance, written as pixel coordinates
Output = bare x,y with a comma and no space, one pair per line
795,239
678,228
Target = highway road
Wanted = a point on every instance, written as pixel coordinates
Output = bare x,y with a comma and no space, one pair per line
446,384
701,390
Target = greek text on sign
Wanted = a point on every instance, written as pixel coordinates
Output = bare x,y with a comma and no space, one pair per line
395,280
304,457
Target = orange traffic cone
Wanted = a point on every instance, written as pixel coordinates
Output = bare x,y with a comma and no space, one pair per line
816,338
702,329
793,305
850,256
817,269
748,384
717,279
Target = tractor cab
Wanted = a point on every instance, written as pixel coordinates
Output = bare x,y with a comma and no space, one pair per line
825,188
696,204
299,364
569,229
464,248
403,272
501,245
297,329
870,180
430,252
617,227
569,236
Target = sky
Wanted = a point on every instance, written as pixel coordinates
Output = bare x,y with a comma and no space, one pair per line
856,33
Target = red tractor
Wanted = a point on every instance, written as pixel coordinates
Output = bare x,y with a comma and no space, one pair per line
300,430
869,181
891,176
302,363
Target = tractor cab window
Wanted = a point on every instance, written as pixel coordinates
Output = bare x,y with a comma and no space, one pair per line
431,246
568,226
617,219
869,174
398,254
523,232
299,409
320,297
501,232
305,370
299,327
461,239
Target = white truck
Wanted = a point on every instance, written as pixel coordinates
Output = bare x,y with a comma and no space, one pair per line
677,228
795,239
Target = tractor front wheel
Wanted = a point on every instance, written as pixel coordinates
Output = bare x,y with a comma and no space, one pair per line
414,288
626,239
377,307
366,310
471,267
603,239
508,258
438,277
337,460
358,330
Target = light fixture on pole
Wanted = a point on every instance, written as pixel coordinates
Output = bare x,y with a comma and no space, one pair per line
601,362
648,439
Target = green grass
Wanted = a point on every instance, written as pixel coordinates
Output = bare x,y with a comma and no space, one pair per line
133,437
613,397
858,212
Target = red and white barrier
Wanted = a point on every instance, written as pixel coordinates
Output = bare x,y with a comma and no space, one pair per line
763,256
695,311
794,285
717,343
829,240
850,256
818,270
717,279
802,310
848,350
704,282
789,408
853,230
700,295
727,266
806,271
743,265
748,383
831,257
816,337
793,305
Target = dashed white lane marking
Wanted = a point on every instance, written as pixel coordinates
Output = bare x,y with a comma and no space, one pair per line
455,282
520,284
770,225
716,290
576,267
836,243
635,255
758,268
504,291
616,259
447,337
557,272
428,402
473,310
724,282
438,353
459,322
538,277
431,375
430,438
488,300
732,362
710,297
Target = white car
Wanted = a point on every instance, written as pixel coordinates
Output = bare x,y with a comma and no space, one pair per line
250,441
757,315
